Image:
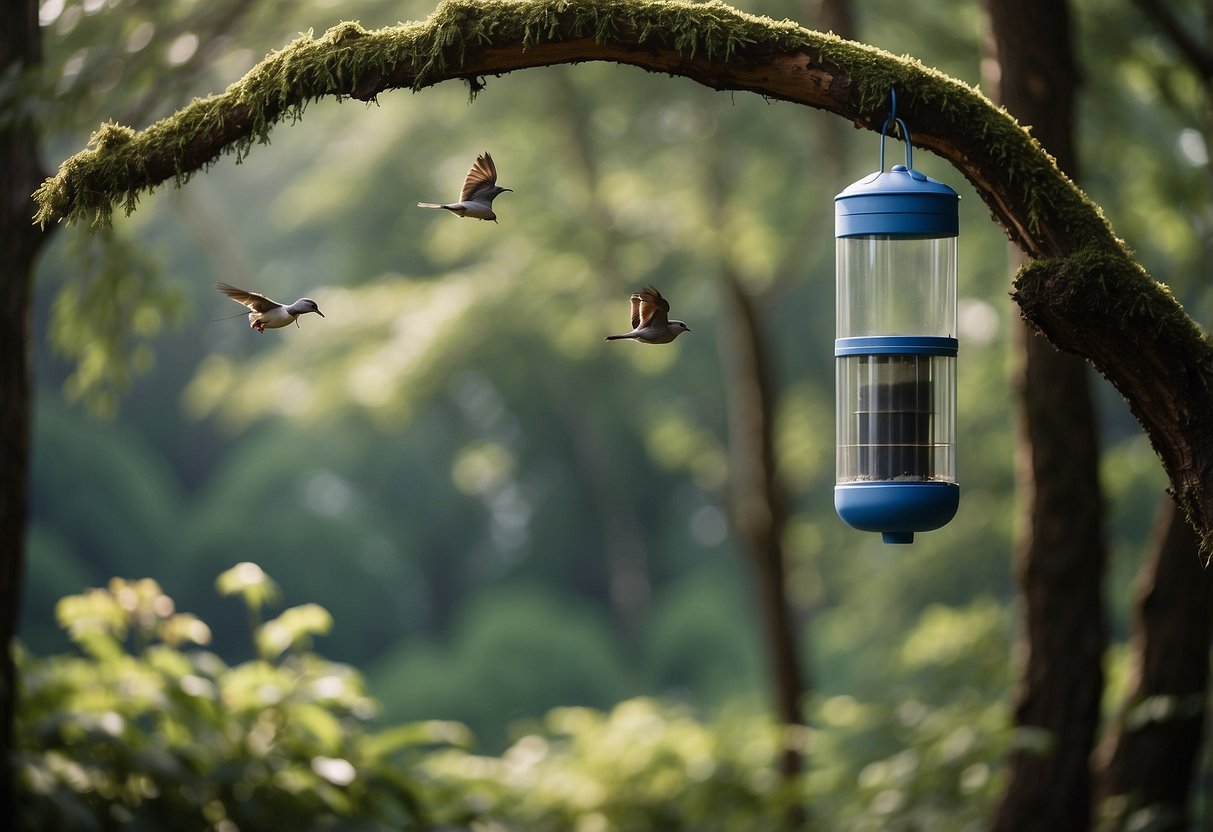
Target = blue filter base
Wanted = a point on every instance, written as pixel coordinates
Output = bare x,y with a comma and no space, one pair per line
896,509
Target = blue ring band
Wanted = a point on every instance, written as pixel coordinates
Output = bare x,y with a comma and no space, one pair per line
896,345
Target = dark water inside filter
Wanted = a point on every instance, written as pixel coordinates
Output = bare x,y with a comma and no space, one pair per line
895,430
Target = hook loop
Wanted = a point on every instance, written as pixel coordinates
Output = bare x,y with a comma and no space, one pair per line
905,131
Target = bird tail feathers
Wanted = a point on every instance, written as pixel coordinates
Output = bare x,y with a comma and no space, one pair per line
429,205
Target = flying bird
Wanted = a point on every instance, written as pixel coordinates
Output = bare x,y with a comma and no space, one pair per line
266,313
479,190
651,323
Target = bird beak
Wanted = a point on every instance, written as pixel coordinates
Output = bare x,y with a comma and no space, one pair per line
318,312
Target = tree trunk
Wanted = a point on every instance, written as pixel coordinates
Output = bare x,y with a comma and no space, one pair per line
758,505
20,173
1061,551
1149,759
1060,562
757,501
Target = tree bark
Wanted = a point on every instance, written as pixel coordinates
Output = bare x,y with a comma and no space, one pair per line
758,505
1149,758
1061,551
20,172
1060,566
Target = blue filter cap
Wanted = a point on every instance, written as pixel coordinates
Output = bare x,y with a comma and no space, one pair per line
902,202
896,509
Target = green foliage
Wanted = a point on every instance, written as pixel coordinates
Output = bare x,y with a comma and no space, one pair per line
104,320
694,646
348,60
145,731
909,766
410,460
447,460
249,581
137,58
640,766
516,653
130,509
645,765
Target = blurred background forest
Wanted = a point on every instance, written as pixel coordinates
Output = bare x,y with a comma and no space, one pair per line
502,513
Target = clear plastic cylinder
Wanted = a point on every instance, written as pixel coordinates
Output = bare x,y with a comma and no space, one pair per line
896,418
896,286
896,374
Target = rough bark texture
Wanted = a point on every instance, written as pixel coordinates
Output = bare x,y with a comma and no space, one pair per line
1060,563
20,51
1061,550
1150,757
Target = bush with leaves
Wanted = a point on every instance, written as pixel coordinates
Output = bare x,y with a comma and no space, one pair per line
643,765
648,765
146,730
924,757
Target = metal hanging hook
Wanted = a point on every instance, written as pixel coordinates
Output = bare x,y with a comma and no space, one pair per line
905,131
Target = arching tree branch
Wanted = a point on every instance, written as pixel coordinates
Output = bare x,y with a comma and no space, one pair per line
1085,292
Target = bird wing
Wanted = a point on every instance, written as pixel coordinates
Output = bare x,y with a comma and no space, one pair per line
649,308
482,175
636,310
253,300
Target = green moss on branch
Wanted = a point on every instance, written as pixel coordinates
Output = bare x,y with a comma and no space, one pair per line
348,61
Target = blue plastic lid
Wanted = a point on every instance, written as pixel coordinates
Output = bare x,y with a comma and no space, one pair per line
901,202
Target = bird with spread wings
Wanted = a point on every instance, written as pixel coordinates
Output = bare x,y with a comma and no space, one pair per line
479,190
265,313
651,323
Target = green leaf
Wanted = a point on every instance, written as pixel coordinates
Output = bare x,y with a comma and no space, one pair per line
293,629
93,620
250,582
413,734
320,723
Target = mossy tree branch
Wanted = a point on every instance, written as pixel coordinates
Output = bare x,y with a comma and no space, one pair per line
1084,290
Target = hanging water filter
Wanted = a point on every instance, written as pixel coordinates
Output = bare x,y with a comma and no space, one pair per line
896,347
